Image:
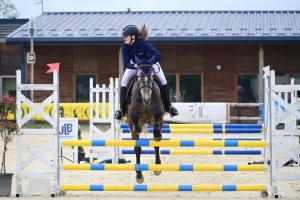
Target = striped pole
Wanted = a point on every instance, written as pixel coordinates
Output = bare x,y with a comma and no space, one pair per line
197,152
197,139
209,126
165,143
163,167
201,131
163,188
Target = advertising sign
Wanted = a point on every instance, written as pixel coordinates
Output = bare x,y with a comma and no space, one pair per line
68,130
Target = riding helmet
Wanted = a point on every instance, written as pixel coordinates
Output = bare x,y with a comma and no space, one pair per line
130,30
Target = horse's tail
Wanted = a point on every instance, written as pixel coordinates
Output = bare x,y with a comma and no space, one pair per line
144,128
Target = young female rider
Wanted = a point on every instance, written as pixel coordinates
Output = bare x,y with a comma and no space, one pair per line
135,44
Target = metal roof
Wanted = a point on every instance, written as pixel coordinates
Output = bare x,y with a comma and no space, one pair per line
9,25
165,27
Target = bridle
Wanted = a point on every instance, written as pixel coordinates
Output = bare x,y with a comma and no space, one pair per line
146,86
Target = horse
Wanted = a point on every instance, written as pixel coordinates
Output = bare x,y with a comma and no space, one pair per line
145,106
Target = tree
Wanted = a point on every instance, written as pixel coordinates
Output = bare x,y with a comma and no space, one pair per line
8,129
8,10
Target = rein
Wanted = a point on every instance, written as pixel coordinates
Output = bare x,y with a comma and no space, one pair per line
146,86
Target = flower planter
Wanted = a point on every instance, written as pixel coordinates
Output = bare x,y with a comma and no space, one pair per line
5,184
81,156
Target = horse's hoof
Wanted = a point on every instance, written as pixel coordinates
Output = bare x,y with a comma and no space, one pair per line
139,179
157,139
137,129
157,173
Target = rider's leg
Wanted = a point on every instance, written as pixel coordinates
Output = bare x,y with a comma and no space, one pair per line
167,103
121,112
126,77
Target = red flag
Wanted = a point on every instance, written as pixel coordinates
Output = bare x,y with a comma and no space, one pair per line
53,66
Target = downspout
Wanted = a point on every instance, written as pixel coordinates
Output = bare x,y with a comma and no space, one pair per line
23,66
121,73
260,78
260,75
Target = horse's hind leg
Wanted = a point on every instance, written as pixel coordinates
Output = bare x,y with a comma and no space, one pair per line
157,113
134,115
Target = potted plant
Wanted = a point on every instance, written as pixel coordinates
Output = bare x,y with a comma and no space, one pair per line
81,153
8,129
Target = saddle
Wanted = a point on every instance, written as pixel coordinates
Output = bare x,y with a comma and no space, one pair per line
146,70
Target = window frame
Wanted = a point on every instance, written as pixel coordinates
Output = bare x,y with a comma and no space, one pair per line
177,84
74,85
1,82
237,84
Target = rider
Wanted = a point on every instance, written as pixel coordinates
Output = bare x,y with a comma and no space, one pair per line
136,44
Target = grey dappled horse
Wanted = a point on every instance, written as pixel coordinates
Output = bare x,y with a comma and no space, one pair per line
146,107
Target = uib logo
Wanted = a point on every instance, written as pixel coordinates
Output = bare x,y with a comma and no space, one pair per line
66,129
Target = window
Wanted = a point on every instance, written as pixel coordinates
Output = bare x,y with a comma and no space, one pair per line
296,82
247,88
83,87
171,80
297,78
184,87
280,79
8,86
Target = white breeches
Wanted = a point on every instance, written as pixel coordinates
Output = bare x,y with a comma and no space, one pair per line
129,73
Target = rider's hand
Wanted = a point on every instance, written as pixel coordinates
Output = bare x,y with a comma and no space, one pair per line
135,65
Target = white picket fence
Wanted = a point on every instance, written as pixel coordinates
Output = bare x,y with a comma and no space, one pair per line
96,119
282,141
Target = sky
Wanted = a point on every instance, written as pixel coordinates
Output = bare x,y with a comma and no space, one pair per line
29,8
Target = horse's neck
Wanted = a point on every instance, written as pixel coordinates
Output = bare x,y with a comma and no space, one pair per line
136,94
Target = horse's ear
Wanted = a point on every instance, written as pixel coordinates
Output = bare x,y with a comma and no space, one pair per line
152,60
137,60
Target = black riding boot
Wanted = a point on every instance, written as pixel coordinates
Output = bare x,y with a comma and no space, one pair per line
121,112
168,107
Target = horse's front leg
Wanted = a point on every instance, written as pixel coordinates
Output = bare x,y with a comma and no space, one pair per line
134,115
139,176
157,113
137,150
157,160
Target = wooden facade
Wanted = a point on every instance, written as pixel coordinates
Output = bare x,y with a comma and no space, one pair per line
217,86
10,59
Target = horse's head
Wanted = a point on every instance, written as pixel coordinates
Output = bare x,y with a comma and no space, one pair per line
145,79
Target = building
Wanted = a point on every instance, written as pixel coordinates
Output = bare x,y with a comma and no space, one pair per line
208,56
10,57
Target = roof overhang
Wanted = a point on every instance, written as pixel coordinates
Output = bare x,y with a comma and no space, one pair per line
56,41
